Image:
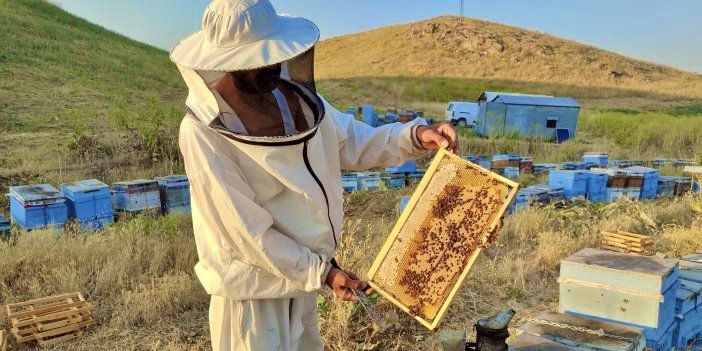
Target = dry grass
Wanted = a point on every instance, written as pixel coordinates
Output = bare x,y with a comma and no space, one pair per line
139,276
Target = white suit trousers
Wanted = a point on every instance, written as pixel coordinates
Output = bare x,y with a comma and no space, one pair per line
263,325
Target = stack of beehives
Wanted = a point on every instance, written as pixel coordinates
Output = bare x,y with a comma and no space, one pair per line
627,242
661,296
50,320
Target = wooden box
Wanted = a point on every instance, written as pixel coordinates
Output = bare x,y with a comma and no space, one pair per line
628,288
454,213
582,333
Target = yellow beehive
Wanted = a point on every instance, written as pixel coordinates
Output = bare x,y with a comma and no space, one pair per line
454,213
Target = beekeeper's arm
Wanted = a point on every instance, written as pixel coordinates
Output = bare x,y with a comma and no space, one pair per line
363,147
229,205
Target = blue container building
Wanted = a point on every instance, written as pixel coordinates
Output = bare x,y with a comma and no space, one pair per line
529,116
37,206
136,196
175,194
573,182
89,202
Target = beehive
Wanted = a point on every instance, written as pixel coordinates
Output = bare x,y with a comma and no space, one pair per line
453,214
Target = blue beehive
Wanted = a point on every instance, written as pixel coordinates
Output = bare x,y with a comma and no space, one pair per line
666,186
403,203
349,181
408,167
575,166
37,206
628,289
482,161
136,196
573,182
596,187
393,180
544,167
369,116
175,194
649,189
555,193
597,159
369,181
527,197
89,202
689,312
4,226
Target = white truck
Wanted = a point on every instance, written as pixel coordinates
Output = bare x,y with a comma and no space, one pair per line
462,114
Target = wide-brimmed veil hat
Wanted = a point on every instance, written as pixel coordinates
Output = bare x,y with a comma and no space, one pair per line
241,35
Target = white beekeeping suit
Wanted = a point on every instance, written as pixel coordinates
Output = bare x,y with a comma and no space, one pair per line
267,211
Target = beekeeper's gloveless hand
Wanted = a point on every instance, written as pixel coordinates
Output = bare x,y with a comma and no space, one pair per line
340,282
436,136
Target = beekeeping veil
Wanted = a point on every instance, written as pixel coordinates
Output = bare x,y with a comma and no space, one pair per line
240,35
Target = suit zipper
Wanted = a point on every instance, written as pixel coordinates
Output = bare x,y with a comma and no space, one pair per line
305,157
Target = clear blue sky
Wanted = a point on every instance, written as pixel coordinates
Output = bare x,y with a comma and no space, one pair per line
668,32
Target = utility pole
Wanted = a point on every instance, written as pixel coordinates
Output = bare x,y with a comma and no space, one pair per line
462,4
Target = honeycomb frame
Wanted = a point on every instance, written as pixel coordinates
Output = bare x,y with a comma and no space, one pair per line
392,273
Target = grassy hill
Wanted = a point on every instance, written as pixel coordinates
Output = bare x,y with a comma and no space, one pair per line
451,47
64,90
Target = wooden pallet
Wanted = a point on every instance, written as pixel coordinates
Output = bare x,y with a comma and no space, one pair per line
51,320
3,341
627,242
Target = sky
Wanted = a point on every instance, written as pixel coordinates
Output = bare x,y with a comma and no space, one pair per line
668,32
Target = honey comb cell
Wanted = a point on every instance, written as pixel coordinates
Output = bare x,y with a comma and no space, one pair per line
455,212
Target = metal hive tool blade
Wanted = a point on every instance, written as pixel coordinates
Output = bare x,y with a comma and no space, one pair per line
454,213
374,315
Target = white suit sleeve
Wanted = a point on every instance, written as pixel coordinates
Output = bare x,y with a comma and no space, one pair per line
228,204
362,147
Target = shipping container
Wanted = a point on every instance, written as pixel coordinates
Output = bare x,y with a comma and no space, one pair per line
37,206
89,203
136,196
175,194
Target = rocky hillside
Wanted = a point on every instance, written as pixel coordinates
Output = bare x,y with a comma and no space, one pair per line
470,48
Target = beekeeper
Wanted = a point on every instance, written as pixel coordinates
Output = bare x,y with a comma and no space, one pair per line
263,152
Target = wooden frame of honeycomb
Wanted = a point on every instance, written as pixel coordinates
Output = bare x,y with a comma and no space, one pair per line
455,212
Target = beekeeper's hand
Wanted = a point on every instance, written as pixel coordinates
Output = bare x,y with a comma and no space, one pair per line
439,135
340,282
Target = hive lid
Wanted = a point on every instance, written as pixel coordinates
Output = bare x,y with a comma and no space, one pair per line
647,265
688,289
172,178
84,185
697,258
583,332
135,182
31,193
4,220
454,212
689,170
530,342
691,271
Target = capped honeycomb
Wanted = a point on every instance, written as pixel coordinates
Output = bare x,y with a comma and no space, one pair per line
454,213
